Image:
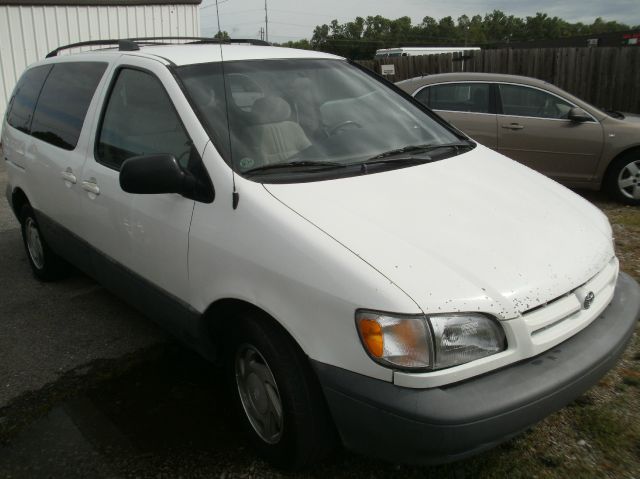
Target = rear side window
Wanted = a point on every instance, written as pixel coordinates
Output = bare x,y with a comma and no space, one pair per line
25,96
64,102
464,97
140,119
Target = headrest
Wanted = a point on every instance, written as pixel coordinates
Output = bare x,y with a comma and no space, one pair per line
271,109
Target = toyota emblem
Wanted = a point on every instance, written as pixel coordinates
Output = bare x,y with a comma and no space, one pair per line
588,299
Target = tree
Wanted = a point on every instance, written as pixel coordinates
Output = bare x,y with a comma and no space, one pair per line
299,44
360,38
222,35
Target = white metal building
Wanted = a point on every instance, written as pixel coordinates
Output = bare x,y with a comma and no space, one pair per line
29,29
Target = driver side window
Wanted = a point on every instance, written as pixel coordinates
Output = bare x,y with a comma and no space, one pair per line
139,119
524,101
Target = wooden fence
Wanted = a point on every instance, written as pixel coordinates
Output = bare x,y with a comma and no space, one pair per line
608,77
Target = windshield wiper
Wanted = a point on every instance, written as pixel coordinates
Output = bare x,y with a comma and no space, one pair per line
415,149
404,160
295,164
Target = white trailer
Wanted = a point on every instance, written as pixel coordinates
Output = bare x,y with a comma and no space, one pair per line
412,51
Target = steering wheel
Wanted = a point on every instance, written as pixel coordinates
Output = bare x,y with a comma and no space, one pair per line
342,125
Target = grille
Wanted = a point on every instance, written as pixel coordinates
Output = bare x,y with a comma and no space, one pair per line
566,315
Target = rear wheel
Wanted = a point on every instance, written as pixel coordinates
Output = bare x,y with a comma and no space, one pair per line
622,181
277,396
45,264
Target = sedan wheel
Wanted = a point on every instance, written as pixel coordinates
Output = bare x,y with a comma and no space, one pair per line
629,180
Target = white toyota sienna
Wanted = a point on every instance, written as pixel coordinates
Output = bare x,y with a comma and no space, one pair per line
365,273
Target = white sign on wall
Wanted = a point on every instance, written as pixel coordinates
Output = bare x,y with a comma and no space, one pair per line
387,69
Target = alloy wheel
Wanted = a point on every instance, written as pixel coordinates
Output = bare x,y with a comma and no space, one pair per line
629,180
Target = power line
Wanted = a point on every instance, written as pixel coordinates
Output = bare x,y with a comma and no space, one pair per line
298,12
234,13
293,24
214,4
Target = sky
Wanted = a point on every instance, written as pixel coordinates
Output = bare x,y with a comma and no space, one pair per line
295,19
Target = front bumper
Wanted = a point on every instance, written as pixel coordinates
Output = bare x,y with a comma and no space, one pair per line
448,423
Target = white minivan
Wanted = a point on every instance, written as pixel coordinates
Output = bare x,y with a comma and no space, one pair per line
364,272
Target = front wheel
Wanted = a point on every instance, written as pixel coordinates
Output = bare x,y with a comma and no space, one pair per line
277,396
622,181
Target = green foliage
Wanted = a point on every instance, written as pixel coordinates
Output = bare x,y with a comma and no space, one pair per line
300,44
222,35
360,38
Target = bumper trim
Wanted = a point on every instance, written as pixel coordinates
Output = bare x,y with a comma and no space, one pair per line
452,422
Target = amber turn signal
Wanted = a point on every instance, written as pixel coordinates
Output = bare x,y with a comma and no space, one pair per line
371,334
396,340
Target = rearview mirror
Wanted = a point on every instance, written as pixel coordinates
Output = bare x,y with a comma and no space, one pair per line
578,115
154,174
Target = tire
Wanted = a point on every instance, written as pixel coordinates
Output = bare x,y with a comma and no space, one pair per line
45,264
622,181
276,376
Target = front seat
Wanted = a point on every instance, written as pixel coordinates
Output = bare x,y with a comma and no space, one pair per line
274,136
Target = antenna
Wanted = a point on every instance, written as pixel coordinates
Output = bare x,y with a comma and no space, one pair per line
235,197
219,29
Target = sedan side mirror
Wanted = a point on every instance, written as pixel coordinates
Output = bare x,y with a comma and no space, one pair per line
578,115
154,174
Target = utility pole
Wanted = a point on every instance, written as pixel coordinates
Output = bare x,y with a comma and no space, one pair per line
266,22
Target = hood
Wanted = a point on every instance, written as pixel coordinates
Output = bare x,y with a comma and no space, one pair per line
476,232
632,117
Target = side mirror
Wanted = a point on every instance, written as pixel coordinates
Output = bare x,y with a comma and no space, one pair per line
578,115
153,174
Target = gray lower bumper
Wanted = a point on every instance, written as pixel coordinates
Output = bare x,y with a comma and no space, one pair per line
444,424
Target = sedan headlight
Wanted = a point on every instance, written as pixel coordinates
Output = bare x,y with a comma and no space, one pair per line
428,343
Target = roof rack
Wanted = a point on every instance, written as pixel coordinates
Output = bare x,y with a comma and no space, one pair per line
133,44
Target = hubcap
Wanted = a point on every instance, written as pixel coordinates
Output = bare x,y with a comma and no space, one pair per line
259,394
34,243
629,180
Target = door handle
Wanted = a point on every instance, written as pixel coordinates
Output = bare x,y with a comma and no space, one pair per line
513,126
67,175
91,186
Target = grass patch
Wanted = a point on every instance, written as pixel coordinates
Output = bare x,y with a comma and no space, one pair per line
630,217
601,425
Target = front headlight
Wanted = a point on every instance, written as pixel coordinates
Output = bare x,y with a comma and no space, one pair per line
460,338
428,343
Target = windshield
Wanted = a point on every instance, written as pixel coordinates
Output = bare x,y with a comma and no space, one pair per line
304,112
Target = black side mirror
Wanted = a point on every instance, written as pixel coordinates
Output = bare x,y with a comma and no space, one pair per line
161,173
578,115
152,174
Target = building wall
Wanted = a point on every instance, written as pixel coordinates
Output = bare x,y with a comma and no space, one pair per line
28,33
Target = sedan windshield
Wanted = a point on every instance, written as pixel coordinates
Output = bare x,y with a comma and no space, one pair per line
307,115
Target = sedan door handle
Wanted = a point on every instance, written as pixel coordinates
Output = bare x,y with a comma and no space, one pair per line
513,126
91,186
68,175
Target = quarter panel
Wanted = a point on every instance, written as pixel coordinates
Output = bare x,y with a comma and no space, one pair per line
265,254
